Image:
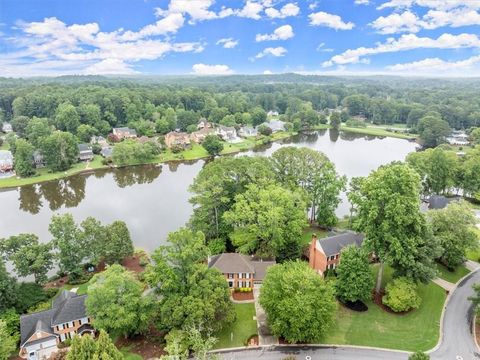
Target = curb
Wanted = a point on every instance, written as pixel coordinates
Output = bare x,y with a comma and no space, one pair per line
474,331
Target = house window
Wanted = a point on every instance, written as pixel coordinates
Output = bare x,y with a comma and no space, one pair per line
80,322
240,284
336,257
247,275
230,276
230,284
240,275
248,284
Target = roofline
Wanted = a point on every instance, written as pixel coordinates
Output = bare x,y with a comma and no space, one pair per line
26,341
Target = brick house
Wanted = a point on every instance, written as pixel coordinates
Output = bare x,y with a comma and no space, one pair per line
6,161
124,133
41,332
200,135
326,253
240,270
177,140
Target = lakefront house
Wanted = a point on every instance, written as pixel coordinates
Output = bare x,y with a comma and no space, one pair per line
41,332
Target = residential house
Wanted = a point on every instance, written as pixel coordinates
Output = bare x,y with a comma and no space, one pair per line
106,151
200,135
144,139
458,138
203,123
275,125
124,133
38,160
436,202
41,332
227,133
247,131
7,128
177,140
6,161
272,113
326,253
240,270
85,152
99,140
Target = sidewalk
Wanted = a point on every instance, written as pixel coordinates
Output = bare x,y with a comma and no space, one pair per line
448,286
472,265
265,337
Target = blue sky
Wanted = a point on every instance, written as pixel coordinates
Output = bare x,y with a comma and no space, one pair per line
406,37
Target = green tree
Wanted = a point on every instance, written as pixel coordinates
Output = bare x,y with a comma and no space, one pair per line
28,256
90,114
85,132
94,238
258,116
191,294
87,348
201,345
68,241
264,130
60,151
8,343
335,120
387,205
419,355
299,304
401,295
8,289
177,345
19,125
213,144
116,304
67,118
475,136
454,228
37,129
432,130
355,279
269,221
118,244
24,158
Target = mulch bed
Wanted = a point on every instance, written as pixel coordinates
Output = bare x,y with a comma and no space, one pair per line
377,299
242,296
132,263
57,283
253,341
147,346
355,306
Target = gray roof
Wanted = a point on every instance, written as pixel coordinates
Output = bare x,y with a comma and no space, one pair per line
232,263
436,202
126,129
6,155
334,244
84,147
107,151
66,307
261,268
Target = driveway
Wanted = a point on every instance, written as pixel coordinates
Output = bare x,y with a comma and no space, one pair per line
265,336
456,342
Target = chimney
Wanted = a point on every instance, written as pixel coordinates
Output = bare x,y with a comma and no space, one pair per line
312,252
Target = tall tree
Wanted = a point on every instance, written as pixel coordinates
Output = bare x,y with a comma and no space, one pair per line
37,129
191,294
116,304
8,344
118,243
335,121
67,118
213,144
299,304
454,228
8,289
355,279
432,130
24,158
269,221
387,205
60,151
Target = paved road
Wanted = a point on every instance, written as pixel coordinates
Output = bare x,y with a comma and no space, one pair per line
457,342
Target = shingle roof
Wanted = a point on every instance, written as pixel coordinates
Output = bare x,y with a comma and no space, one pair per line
84,147
31,323
261,268
232,263
436,202
70,309
334,244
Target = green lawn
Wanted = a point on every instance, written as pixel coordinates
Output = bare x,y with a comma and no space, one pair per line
307,234
416,330
81,289
242,329
377,132
128,355
451,276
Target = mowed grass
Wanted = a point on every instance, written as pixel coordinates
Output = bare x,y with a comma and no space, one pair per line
128,355
308,232
417,330
451,276
377,132
242,328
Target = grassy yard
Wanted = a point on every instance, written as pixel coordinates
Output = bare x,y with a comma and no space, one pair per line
308,232
81,288
243,328
377,132
451,276
416,330
128,355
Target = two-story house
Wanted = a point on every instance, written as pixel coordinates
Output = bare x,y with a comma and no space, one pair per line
41,332
85,152
227,133
124,133
240,271
200,135
6,161
326,253
179,140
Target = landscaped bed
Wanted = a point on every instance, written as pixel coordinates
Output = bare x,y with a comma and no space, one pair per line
415,330
242,296
242,329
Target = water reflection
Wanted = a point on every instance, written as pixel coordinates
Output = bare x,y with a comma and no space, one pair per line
29,199
136,175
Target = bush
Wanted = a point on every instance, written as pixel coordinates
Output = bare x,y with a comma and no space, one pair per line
264,130
78,279
46,305
216,246
29,295
51,292
143,258
419,356
401,295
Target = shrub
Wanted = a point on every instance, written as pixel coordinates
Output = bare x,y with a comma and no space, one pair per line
264,130
419,356
40,307
401,295
143,258
80,278
51,292
29,295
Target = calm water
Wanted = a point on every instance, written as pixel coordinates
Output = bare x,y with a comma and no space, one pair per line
153,200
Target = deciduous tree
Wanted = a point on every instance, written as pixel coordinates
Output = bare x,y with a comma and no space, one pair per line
8,343
24,158
60,151
213,144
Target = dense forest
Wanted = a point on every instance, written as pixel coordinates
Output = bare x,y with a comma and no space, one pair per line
142,102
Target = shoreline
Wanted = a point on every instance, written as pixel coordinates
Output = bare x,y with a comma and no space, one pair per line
196,153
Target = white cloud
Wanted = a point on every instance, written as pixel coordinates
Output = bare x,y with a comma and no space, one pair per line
169,24
290,9
272,51
281,33
322,18
362,2
434,65
227,43
198,10
313,5
267,72
432,4
394,23
251,10
110,67
404,43
321,47
204,69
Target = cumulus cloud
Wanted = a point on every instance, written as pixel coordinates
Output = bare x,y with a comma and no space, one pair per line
290,9
362,2
227,43
322,18
110,67
404,43
267,72
432,4
434,65
204,69
272,51
281,33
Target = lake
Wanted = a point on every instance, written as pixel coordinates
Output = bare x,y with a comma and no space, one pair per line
153,200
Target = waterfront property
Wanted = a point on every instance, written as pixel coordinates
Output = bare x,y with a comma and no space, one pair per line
41,332
203,123
106,151
200,135
85,152
38,160
247,131
99,140
6,162
274,125
325,254
179,140
227,133
124,133
7,128
240,270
